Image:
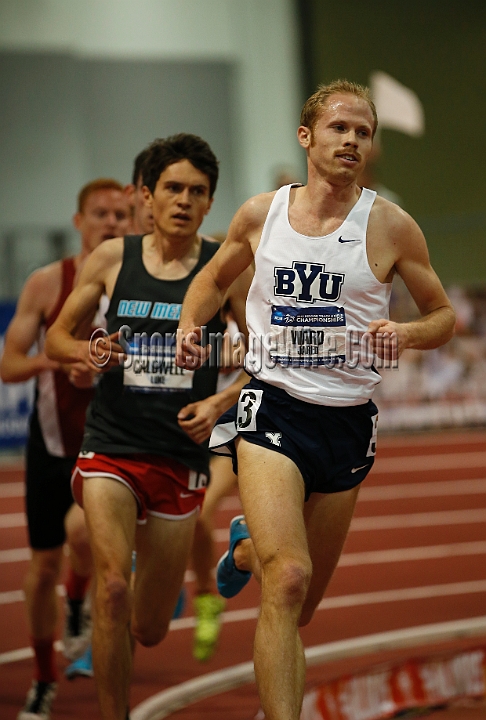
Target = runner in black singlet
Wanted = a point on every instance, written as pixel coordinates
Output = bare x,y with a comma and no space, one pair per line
144,465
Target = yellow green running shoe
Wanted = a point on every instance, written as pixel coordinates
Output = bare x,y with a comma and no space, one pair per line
208,609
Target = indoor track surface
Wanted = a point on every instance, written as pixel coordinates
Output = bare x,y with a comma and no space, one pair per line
415,555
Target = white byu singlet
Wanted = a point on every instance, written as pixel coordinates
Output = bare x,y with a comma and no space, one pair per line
309,305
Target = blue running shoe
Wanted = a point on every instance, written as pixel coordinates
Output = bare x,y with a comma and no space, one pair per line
181,604
83,666
229,579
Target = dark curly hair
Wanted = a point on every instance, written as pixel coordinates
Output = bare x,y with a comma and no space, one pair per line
165,151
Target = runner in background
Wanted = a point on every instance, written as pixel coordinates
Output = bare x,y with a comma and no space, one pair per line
142,218
208,603
141,222
144,462
55,434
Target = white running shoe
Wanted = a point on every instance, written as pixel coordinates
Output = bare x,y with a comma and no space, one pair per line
39,701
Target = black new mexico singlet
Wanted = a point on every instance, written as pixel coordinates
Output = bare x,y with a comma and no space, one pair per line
135,407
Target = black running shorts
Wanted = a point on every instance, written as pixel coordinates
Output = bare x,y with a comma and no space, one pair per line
48,494
333,447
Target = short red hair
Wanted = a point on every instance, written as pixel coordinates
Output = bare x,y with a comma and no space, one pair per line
314,105
93,186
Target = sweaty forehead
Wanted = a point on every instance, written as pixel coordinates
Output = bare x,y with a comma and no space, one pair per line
347,104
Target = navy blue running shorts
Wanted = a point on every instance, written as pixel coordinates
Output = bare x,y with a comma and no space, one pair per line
333,447
48,495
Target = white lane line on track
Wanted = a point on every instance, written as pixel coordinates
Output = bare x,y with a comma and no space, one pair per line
24,653
415,593
13,489
15,555
410,554
400,491
444,438
445,461
375,492
392,555
441,488
10,520
13,596
440,517
398,464
374,522
329,603
428,552
354,600
372,557
391,522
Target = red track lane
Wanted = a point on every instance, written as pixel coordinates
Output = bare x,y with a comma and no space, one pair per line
437,574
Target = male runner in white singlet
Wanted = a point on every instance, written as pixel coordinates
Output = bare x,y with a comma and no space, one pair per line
305,426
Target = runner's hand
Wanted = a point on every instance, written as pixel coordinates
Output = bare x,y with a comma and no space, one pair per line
104,351
190,354
388,338
198,419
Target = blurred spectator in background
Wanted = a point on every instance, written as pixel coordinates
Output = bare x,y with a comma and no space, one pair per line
369,177
285,175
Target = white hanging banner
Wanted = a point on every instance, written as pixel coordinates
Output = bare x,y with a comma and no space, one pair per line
398,107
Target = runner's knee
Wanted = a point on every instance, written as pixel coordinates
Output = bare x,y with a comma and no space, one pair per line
148,634
287,580
44,570
113,598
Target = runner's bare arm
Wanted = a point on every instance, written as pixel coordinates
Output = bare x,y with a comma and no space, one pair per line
237,294
16,364
412,263
62,343
199,418
207,291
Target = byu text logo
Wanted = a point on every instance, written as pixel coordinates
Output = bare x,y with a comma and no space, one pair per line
308,282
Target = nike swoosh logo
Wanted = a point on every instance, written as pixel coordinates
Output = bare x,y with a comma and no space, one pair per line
342,240
359,468
185,495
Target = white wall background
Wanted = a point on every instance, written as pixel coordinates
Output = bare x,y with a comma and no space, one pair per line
83,83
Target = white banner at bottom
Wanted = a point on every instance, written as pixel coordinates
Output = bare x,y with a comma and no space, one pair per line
385,692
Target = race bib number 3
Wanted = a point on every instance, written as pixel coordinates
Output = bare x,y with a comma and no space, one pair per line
308,336
248,404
